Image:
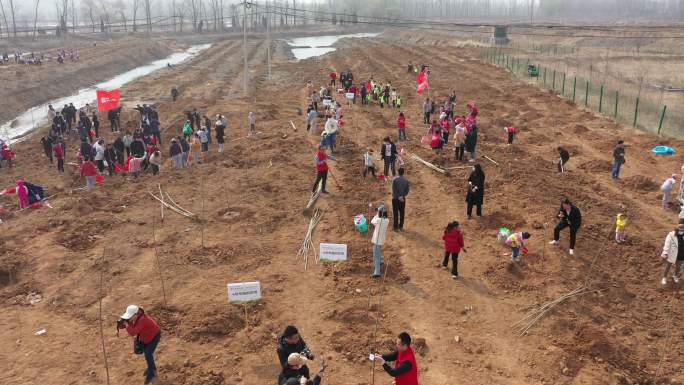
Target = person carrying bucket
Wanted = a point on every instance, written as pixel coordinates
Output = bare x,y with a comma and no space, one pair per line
516,242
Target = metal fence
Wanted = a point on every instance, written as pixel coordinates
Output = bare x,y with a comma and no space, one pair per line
617,101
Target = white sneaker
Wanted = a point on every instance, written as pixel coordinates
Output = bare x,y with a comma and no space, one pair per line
553,243
664,281
572,252
675,279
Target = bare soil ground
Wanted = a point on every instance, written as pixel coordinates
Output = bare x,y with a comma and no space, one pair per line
26,86
254,194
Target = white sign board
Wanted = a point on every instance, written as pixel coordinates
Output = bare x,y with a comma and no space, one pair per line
244,292
327,102
349,95
333,252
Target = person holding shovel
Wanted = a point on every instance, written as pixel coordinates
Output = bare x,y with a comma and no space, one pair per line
666,188
321,170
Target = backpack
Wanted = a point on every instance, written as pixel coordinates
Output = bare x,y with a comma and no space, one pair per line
35,192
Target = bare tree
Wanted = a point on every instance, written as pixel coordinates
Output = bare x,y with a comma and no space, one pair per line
148,15
14,23
35,21
135,4
4,17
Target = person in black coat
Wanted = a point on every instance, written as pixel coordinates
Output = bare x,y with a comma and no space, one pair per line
47,146
564,157
570,216
471,142
119,147
388,152
476,187
110,157
138,148
86,150
291,342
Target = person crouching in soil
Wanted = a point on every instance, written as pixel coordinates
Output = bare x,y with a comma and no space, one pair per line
516,242
147,335
297,373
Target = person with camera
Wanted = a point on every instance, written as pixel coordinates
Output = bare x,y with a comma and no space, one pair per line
291,342
297,373
147,334
405,370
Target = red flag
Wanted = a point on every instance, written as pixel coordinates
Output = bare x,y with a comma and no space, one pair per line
108,100
422,82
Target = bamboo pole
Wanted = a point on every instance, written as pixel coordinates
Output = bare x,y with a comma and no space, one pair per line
104,349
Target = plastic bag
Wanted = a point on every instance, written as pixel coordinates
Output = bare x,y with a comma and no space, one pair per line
503,234
361,223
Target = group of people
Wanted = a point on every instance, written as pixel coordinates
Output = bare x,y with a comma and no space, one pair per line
294,355
464,128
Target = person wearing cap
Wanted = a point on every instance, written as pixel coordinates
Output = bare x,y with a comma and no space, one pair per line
673,252
666,188
405,370
381,223
138,324
291,342
570,216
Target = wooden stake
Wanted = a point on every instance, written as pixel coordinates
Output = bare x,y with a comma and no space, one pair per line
161,195
156,257
491,160
104,350
203,218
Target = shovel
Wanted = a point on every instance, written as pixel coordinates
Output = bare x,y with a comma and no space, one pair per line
335,180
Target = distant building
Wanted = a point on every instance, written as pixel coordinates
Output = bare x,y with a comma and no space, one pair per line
500,35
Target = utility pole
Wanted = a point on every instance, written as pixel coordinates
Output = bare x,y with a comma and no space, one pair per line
244,42
268,38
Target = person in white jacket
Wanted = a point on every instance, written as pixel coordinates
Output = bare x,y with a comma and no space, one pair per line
672,255
381,223
666,188
330,130
99,148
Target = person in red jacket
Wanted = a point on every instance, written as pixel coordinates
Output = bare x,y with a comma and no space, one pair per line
145,329
405,370
59,155
333,78
89,171
401,126
453,244
321,170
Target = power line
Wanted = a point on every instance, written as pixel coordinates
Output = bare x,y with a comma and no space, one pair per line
451,26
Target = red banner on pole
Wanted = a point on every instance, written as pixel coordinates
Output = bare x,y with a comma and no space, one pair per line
108,100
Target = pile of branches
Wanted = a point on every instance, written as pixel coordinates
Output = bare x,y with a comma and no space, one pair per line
531,318
167,202
308,242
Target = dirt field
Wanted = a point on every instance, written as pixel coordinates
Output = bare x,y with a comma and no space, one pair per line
254,194
26,86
